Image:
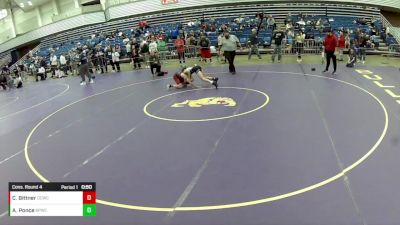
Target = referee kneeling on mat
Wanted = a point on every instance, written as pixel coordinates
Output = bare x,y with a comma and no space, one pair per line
331,42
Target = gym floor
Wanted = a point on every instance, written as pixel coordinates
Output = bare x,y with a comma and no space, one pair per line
276,144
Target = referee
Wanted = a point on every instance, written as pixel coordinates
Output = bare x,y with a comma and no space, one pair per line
229,45
331,42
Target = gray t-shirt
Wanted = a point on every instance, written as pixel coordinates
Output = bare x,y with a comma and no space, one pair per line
229,44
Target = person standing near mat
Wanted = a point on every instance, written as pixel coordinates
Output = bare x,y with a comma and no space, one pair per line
277,38
331,42
299,46
229,45
253,44
84,67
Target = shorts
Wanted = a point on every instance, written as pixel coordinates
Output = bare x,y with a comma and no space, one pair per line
178,79
205,53
195,69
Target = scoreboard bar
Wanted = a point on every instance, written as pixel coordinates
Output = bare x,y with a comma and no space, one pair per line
52,199
32,186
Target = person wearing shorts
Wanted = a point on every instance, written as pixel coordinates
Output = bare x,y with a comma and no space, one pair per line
199,72
185,77
181,81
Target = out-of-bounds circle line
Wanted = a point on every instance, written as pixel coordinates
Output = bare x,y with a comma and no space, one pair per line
239,204
38,104
146,111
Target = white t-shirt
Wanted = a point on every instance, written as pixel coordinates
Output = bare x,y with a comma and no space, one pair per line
153,46
54,61
115,57
229,44
41,70
128,47
63,61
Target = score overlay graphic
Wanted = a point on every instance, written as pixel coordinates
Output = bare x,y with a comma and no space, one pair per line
51,199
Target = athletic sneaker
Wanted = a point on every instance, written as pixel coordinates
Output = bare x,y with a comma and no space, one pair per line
279,61
91,81
334,72
215,84
215,79
112,71
325,71
83,82
169,86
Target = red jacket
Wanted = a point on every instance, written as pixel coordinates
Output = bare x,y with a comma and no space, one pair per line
331,43
342,41
180,45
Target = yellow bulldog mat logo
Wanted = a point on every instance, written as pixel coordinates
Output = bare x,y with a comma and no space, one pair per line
206,101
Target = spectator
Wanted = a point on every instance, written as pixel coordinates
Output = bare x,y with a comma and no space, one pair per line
162,48
101,61
301,22
125,39
277,38
363,47
205,51
4,82
63,64
374,41
347,41
128,47
253,44
212,20
361,21
288,19
352,58
180,48
115,58
191,44
299,46
229,45
75,61
239,20
319,24
54,64
109,58
221,53
41,73
136,54
341,45
271,23
84,67
191,23
289,26
144,47
290,37
153,45
143,25
5,78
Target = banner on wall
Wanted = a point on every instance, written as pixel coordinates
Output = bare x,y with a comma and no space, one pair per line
166,2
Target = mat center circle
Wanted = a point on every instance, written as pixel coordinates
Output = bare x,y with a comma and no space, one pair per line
206,104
